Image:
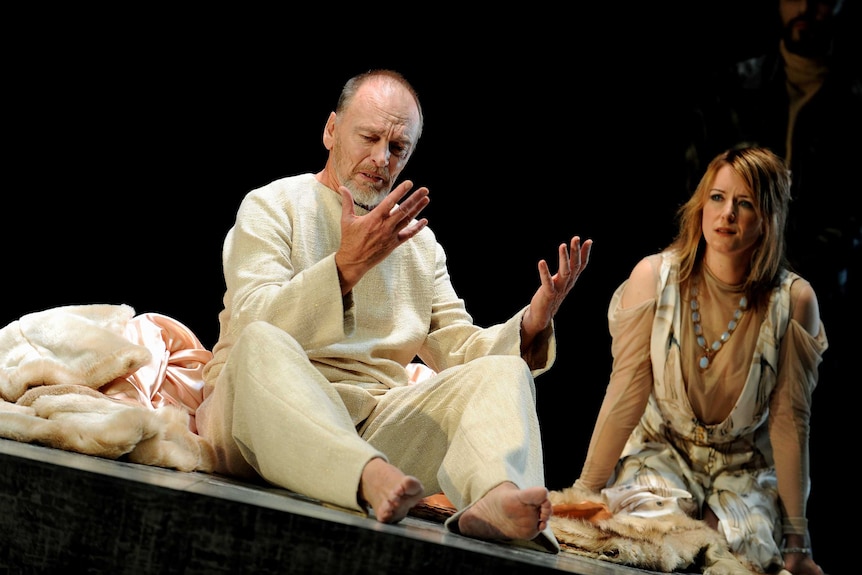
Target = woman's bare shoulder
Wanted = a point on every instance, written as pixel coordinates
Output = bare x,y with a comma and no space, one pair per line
641,285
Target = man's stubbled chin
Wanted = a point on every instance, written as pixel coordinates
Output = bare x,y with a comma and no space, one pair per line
368,188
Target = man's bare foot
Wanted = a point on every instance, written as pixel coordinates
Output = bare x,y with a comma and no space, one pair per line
506,513
389,492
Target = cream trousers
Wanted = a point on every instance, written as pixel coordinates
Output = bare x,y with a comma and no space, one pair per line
462,431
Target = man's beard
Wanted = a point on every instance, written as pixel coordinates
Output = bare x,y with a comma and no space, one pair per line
813,42
366,196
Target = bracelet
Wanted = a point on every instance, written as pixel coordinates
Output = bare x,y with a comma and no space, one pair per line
803,550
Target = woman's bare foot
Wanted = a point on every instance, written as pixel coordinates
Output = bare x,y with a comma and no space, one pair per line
506,513
389,492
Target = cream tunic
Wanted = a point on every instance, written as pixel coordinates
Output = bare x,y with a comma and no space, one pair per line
735,435
298,369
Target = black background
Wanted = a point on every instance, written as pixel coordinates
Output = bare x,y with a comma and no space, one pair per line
131,139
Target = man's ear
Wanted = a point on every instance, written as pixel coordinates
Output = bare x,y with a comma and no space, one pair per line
329,132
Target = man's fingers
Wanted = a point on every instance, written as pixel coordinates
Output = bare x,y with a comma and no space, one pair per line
398,210
565,261
410,207
346,199
392,199
580,254
413,204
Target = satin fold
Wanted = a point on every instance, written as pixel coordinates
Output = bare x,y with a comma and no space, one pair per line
173,376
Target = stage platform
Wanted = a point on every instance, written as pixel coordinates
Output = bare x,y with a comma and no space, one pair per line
61,510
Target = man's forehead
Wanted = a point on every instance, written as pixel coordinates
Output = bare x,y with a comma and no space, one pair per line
385,108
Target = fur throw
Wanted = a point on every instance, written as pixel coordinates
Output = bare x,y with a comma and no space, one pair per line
79,345
52,366
640,527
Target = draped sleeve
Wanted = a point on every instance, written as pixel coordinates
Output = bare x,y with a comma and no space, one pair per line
790,412
627,392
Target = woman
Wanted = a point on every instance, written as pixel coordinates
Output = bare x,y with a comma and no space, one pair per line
716,346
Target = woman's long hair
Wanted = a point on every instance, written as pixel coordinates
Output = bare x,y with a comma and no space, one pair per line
768,178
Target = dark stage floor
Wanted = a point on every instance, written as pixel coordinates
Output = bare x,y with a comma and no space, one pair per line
61,510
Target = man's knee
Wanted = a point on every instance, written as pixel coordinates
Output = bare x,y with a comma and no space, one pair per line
505,371
258,332
260,338
511,364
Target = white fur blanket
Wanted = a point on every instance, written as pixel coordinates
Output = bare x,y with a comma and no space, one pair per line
66,375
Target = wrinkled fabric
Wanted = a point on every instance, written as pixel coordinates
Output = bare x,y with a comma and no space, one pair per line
730,453
643,527
69,345
174,375
54,364
307,384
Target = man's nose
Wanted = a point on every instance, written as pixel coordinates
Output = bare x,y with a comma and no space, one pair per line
380,154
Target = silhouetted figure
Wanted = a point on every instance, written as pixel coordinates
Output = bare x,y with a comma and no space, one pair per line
803,100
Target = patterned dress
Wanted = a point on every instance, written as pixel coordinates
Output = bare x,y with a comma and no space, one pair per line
707,431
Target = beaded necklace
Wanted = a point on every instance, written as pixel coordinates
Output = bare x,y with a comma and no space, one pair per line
709,351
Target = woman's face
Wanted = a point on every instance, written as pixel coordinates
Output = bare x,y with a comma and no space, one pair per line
731,223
